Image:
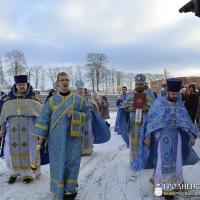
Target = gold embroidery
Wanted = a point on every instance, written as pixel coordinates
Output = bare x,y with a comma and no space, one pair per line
134,141
24,129
21,168
13,129
39,136
61,185
41,127
18,109
14,145
24,144
51,103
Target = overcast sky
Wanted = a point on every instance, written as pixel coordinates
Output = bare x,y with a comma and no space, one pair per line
136,35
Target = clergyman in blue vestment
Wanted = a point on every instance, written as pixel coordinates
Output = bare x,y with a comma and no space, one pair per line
167,140
132,118
119,103
61,122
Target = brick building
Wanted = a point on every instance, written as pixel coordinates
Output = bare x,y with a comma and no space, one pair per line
156,85
190,80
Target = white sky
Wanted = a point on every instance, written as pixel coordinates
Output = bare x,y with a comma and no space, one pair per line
148,35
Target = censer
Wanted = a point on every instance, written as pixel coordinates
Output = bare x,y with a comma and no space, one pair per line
34,164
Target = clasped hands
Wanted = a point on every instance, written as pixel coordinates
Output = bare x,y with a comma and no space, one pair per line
69,111
132,108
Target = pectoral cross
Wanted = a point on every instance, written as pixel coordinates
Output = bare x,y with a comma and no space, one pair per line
18,109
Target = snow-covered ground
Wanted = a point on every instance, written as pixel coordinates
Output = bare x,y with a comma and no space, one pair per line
106,175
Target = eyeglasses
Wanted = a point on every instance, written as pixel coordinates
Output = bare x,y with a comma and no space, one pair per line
64,80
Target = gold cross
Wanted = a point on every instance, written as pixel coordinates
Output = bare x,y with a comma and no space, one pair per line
18,109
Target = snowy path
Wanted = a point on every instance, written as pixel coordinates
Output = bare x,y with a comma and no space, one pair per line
106,175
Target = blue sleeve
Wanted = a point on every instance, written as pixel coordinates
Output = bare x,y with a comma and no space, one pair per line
42,123
119,102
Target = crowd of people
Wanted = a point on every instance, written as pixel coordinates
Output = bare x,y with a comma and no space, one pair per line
159,129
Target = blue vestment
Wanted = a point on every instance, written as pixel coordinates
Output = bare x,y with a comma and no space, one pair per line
130,129
164,122
119,103
100,129
95,131
64,140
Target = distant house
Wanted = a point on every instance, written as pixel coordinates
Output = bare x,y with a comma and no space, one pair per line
190,80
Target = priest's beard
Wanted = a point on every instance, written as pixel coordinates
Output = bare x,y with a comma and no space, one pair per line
139,90
173,99
22,93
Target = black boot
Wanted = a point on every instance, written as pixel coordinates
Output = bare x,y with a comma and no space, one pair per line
27,180
12,179
70,196
169,197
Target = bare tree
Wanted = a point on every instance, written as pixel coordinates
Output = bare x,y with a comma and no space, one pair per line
158,76
43,74
108,80
35,71
119,77
153,77
166,74
64,69
130,80
105,79
98,60
113,73
149,77
29,73
90,74
71,75
3,82
16,62
79,73
52,74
